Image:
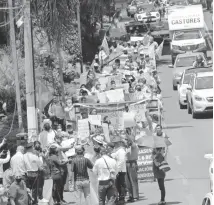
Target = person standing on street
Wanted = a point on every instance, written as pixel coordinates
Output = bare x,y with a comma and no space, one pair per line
79,173
17,163
132,168
158,157
3,161
120,156
33,164
106,169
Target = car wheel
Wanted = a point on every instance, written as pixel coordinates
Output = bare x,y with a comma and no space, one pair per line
194,114
175,87
182,106
188,108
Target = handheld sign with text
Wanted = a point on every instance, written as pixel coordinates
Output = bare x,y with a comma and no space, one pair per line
83,129
145,164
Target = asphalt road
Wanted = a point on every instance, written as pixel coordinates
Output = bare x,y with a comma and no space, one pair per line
188,180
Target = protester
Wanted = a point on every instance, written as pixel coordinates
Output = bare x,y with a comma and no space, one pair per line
199,62
120,156
17,163
158,157
32,164
79,173
132,168
3,161
106,170
56,174
47,136
18,192
56,112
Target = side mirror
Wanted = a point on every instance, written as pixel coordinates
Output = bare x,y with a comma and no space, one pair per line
170,66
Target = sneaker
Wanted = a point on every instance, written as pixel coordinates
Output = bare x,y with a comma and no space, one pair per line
162,203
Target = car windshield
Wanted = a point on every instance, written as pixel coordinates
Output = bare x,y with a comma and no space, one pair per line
185,61
204,83
186,79
186,35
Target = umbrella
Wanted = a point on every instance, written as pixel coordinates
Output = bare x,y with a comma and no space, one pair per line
151,141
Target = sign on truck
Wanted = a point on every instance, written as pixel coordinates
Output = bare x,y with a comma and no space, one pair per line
187,17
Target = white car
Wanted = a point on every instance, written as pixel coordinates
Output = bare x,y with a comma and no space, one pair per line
208,199
200,94
210,157
184,82
146,15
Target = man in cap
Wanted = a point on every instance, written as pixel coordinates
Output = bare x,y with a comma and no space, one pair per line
114,70
17,163
33,164
120,156
106,170
79,173
18,192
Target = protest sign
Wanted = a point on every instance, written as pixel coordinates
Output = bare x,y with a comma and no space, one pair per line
129,119
106,131
102,97
83,79
83,129
116,78
136,38
115,95
145,164
103,82
95,119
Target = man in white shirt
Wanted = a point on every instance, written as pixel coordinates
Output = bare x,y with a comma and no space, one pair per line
17,162
106,169
120,156
33,164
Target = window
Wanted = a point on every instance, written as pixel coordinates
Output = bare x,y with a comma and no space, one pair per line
186,35
204,83
185,61
186,79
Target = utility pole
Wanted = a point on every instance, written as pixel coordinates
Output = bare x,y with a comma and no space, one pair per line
79,33
15,64
29,73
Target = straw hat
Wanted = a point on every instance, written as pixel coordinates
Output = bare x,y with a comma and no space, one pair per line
99,139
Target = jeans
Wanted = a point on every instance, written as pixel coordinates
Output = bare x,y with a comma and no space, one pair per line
162,188
41,181
57,187
106,191
121,185
64,179
83,187
32,184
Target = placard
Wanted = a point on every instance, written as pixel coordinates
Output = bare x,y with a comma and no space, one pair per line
116,95
187,17
116,78
102,97
83,129
129,119
95,119
106,131
145,164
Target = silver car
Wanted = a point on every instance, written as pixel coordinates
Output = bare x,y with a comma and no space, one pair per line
183,62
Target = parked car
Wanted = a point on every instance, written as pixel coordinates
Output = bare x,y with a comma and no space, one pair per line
184,82
183,62
208,199
200,94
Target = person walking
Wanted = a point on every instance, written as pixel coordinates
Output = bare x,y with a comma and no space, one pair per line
132,168
79,173
120,156
2,162
158,157
33,165
17,163
106,169
56,173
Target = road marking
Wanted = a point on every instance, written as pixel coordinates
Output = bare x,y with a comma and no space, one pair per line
177,159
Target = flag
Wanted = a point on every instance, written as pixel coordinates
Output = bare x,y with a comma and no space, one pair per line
105,45
159,51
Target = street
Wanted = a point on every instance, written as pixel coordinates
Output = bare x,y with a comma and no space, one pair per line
188,180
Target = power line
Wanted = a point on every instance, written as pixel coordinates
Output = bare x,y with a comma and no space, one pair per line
5,24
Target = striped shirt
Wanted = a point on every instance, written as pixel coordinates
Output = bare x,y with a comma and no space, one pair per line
79,166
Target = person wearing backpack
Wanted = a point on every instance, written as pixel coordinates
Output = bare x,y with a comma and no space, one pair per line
106,169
